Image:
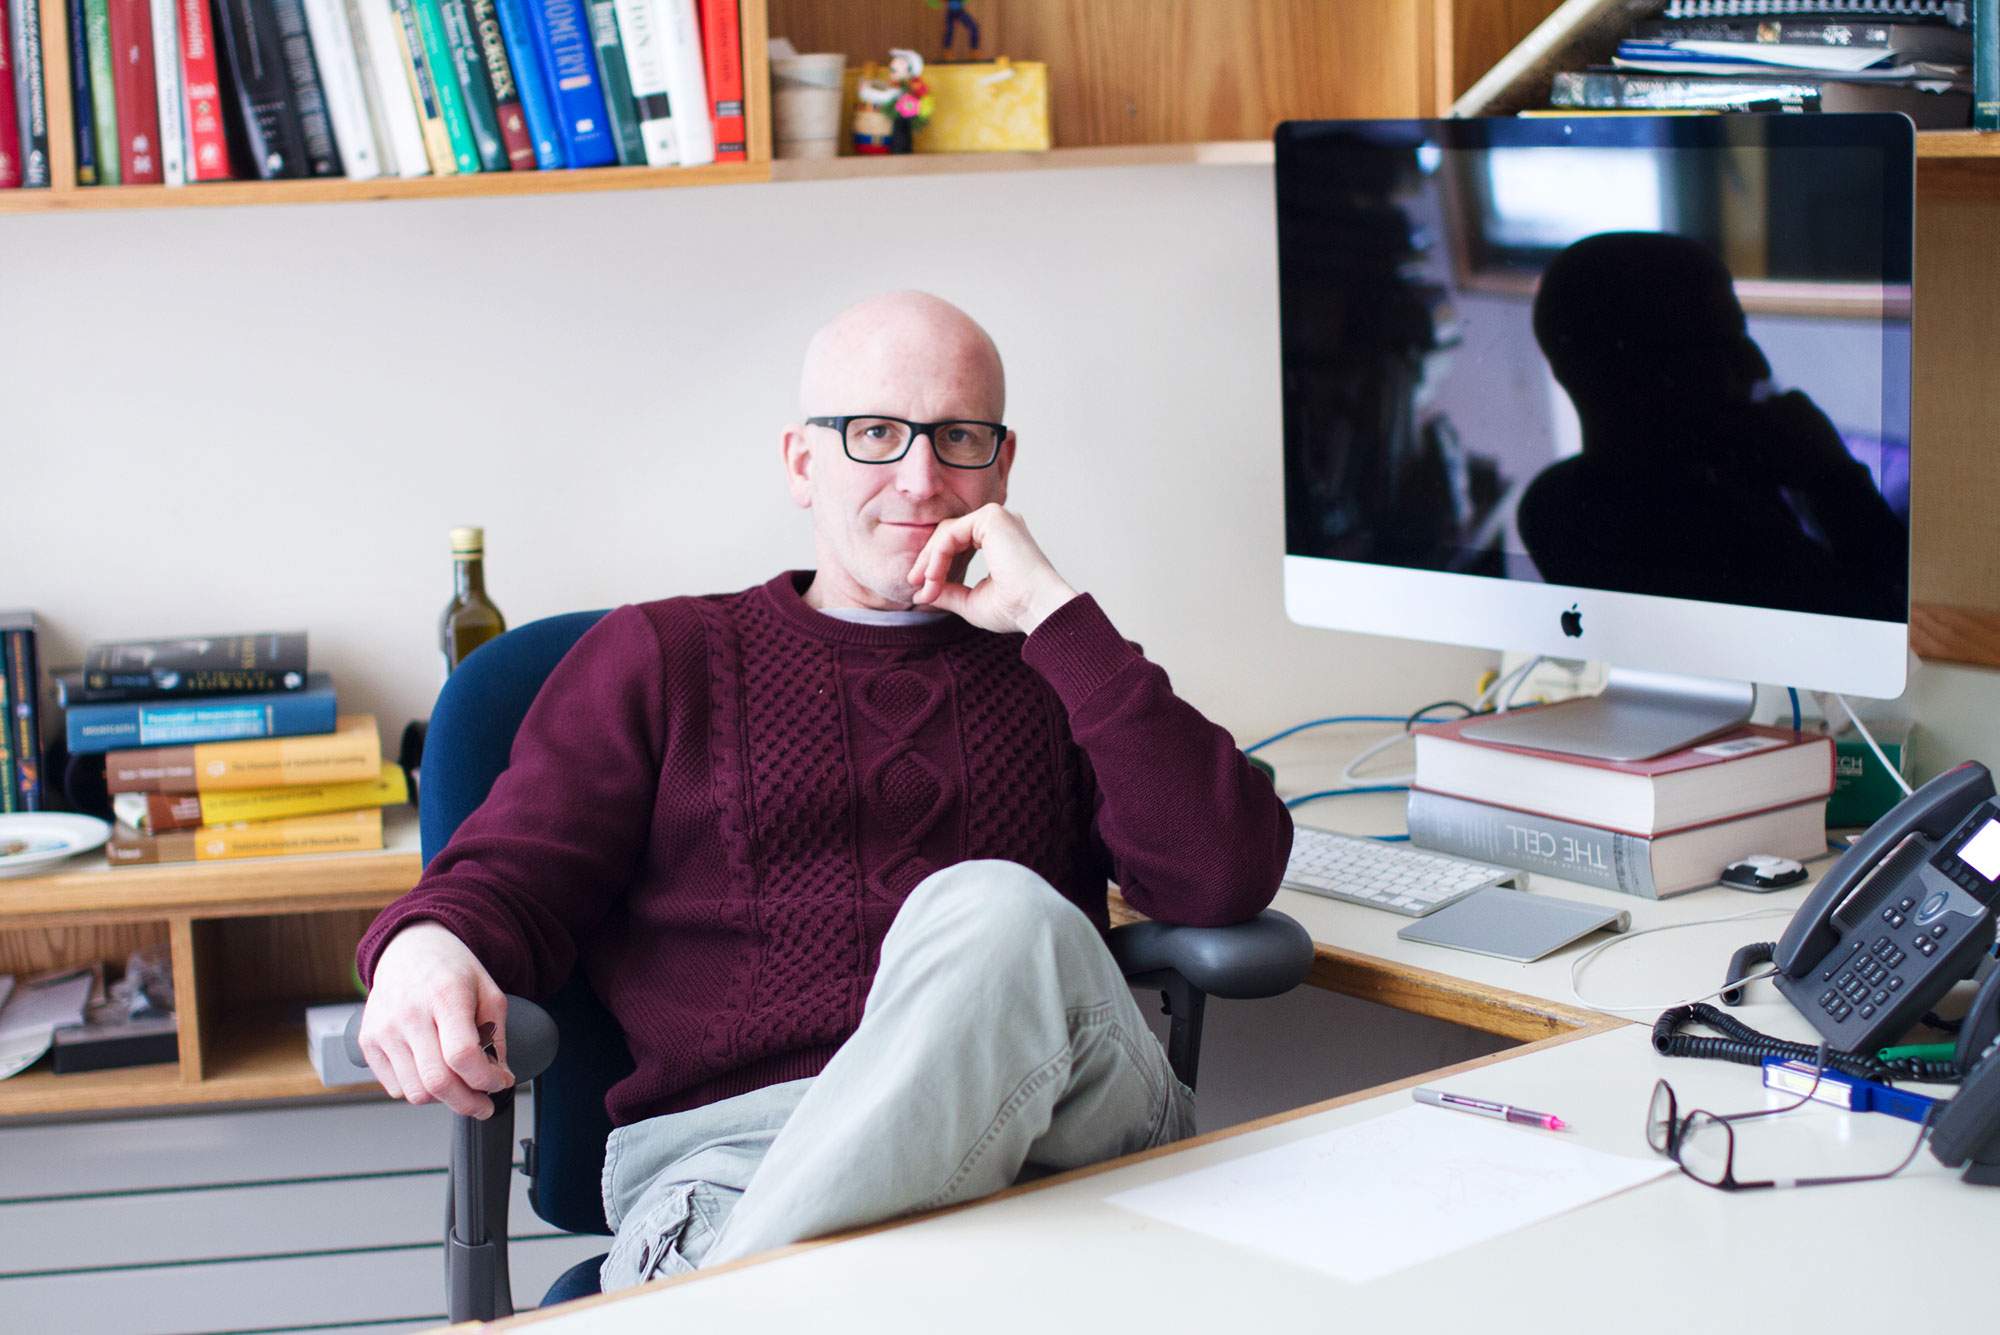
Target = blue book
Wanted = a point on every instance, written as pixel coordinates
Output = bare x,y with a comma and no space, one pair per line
519,35
569,59
80,93
215,718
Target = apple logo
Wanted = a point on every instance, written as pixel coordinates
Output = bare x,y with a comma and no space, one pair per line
1572,622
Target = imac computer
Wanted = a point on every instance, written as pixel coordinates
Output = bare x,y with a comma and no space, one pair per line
1627,389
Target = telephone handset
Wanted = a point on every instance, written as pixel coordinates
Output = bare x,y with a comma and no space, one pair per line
1900,917
1967,1127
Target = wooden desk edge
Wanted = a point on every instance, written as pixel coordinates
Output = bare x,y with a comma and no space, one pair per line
1491,1010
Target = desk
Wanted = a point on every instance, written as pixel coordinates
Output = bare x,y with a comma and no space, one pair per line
1668,1256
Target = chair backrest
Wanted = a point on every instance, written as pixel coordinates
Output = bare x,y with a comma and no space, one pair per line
466,746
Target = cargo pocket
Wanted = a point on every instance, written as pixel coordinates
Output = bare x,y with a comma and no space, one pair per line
653,1243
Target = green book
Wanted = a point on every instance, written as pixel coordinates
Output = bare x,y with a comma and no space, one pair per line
451,102
468,63
618,104
103,105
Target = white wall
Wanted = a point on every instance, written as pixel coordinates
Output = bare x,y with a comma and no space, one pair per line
224,419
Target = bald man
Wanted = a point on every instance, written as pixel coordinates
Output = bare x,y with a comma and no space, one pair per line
833,850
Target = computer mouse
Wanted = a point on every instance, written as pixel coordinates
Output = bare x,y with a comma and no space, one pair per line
1763,871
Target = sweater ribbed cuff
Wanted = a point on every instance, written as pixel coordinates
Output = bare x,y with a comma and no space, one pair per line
1077,649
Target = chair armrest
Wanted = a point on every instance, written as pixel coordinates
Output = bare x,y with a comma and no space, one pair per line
477,1285
1268,955
531,1039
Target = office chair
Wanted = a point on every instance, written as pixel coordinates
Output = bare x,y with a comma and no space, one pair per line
573,1049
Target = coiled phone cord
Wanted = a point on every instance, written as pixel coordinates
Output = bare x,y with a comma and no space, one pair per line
1746,1046
1749,1047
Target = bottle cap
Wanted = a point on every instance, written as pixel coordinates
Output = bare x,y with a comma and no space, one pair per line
468,542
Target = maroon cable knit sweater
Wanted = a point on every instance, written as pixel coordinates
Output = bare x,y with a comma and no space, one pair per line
719,803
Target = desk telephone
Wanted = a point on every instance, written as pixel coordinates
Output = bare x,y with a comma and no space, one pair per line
1901,917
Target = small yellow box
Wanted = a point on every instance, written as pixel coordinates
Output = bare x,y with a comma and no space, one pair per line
980,106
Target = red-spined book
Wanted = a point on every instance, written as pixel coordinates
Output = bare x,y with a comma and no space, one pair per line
1746,770
10,116
722,55
208,144
136,92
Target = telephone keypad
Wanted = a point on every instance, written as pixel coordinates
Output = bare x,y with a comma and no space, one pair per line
1867,1012
1895,983
1880,998
1893,918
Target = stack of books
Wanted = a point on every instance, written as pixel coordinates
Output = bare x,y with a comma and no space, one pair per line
1650,828
1610,56
1727,55
225,747
176,92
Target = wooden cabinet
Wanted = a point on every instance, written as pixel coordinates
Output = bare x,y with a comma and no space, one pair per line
254,942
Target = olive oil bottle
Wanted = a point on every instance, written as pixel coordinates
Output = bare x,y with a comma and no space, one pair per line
470,619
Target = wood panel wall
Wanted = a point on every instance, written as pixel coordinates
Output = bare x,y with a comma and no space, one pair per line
1167,71
1955,435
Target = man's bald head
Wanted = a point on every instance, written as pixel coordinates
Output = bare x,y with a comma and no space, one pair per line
870,356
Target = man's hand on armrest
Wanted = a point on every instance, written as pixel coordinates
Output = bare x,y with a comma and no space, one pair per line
421,1028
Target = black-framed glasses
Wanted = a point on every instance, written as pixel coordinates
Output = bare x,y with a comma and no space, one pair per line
1703,1144
876,439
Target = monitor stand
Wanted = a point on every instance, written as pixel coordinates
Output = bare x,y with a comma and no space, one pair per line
1639,715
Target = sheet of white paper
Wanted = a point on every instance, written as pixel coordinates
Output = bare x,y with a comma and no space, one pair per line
46,1002
1370,1199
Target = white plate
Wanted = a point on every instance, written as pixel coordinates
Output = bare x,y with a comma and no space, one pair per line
33,840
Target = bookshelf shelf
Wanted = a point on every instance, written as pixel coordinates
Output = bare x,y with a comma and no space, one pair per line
253,942
1133,82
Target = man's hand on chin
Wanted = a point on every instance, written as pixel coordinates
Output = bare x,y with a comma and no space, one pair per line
1020,589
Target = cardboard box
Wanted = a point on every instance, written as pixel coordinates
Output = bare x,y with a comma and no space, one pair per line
326,1030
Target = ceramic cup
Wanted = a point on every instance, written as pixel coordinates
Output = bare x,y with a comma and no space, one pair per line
807,104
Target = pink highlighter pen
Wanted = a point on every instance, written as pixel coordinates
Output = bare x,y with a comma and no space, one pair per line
1485,1108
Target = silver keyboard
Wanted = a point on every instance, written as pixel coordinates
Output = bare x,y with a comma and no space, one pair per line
1396,877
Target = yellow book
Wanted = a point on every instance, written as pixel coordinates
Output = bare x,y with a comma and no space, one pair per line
157,813
349,753
336,832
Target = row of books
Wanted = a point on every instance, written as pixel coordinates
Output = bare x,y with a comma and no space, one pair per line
21,773
1649,828
1807,57
181,91
224,746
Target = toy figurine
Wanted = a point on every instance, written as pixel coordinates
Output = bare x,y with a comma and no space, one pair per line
887,109
954,15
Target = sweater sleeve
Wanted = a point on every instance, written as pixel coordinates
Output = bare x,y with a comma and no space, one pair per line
532,871
1194,833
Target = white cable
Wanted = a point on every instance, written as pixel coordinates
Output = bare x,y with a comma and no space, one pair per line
1508,683
1349,776
1350,773
1576,966
1869,738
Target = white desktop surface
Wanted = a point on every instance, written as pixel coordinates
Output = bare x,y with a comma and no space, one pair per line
1670,1255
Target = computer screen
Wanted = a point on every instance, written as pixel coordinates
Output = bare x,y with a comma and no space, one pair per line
1630,389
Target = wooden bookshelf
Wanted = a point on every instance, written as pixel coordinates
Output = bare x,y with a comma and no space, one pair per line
254,941
1177,75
